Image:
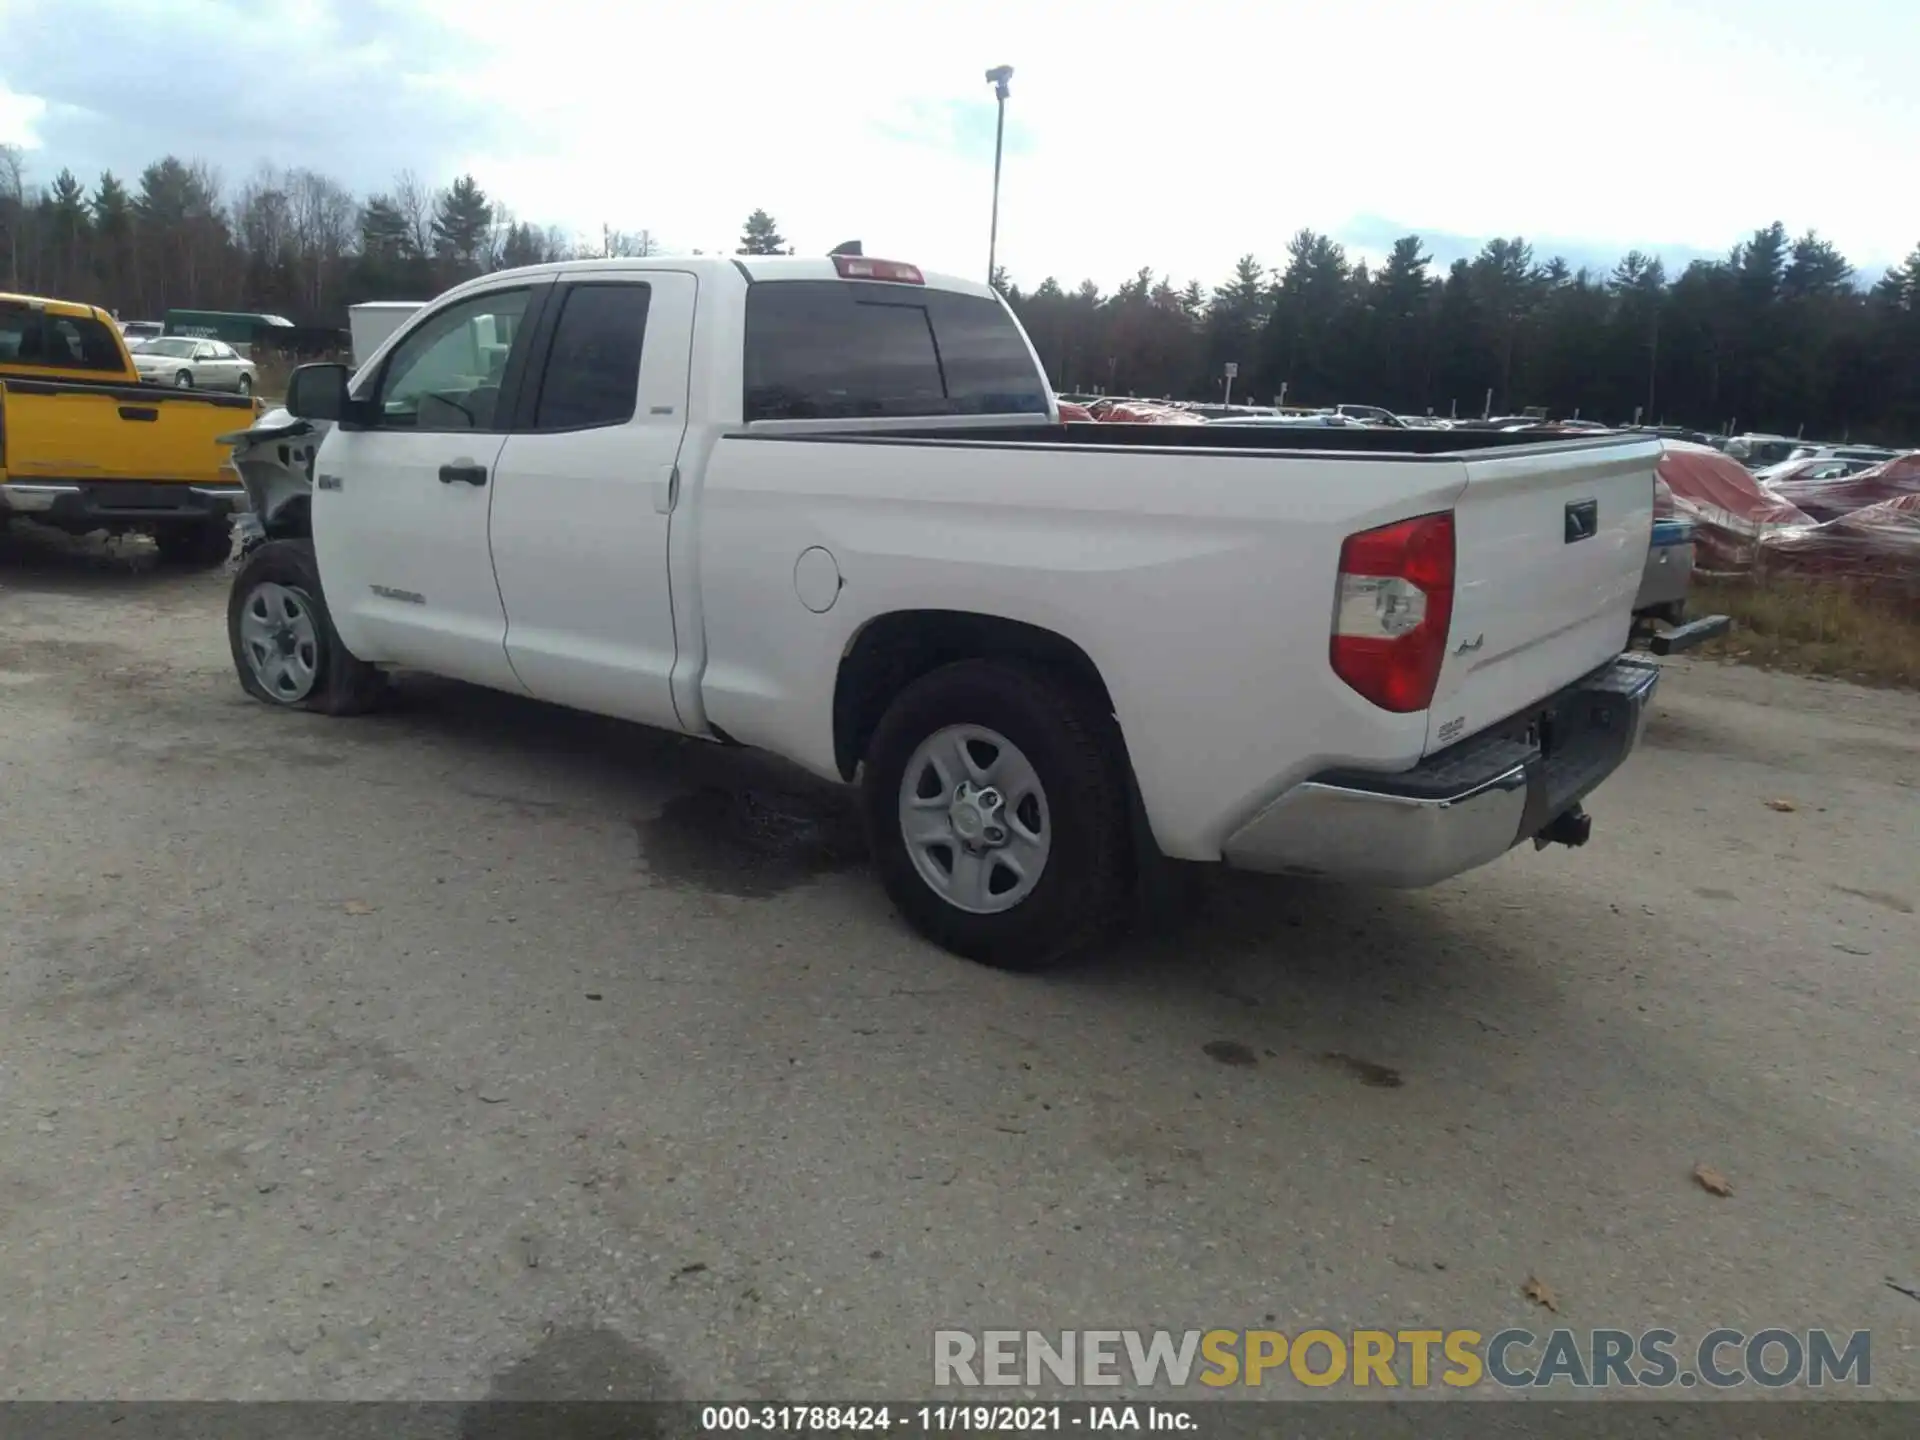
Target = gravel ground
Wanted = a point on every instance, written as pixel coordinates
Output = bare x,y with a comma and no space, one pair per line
479,1048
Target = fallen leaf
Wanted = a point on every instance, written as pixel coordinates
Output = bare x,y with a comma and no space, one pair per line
1786,807
1712,1181
357,907
1541,1293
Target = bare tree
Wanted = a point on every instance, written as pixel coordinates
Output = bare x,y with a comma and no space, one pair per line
14,210
415,200
324,214
627,244
263,218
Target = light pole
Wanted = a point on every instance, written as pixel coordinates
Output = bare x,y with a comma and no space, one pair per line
998,78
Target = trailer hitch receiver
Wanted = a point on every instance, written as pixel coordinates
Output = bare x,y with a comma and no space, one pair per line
1570,827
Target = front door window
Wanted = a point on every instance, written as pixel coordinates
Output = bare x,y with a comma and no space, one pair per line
446,375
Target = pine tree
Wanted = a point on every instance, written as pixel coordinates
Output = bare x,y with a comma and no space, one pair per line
69,227
524,245
384,233
112,207
113,262
462,224
1900,286
1309,304
1815,267
762,236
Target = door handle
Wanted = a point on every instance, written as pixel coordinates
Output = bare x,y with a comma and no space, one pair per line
463,472
666,493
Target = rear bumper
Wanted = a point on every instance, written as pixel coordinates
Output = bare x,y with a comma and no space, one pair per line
1462,807
93,504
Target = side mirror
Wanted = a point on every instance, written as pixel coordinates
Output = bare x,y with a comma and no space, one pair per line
318,392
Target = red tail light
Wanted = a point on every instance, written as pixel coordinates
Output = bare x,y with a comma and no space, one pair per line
858,267
1393,609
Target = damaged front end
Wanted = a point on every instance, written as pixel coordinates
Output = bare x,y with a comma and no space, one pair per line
275,459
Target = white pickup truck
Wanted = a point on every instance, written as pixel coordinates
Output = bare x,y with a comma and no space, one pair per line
825,507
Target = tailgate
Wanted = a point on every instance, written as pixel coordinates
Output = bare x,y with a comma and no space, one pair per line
1550,546
57,430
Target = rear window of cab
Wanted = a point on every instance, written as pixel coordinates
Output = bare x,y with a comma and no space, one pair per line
845,350
38,338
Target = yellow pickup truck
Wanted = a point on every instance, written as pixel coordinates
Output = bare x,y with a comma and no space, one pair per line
85,446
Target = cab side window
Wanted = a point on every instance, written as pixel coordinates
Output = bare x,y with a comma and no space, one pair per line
592,375
446,375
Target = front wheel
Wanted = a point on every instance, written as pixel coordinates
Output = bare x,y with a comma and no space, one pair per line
183,380
995,802
245,387
285,649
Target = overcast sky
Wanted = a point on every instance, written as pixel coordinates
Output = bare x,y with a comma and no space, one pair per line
1174,136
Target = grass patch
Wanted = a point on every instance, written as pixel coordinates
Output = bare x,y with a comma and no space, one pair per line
1810,629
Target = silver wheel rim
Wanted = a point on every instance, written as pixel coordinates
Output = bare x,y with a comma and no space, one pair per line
246,386
974,818
280,640
183,380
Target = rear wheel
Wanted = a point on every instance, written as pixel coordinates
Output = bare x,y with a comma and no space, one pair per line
195,542
995,801
285,649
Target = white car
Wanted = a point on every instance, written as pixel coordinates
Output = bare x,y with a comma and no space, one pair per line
191,363
825,507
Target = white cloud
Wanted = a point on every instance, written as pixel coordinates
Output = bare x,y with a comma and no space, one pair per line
1176,138
20,117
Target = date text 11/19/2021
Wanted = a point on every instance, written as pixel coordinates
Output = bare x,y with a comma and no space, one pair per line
945,1419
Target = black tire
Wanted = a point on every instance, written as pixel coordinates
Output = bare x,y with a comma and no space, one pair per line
195,542
343,684
183,380
1074,747
245,387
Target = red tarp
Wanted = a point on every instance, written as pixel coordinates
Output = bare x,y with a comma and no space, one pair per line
1830,499
1070,412
1876,549
1143,412
1730,510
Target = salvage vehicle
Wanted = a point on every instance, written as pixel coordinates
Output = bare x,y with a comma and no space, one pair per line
85,446
826,508
1660,608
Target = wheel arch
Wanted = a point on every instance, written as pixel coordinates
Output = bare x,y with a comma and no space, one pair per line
891,651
